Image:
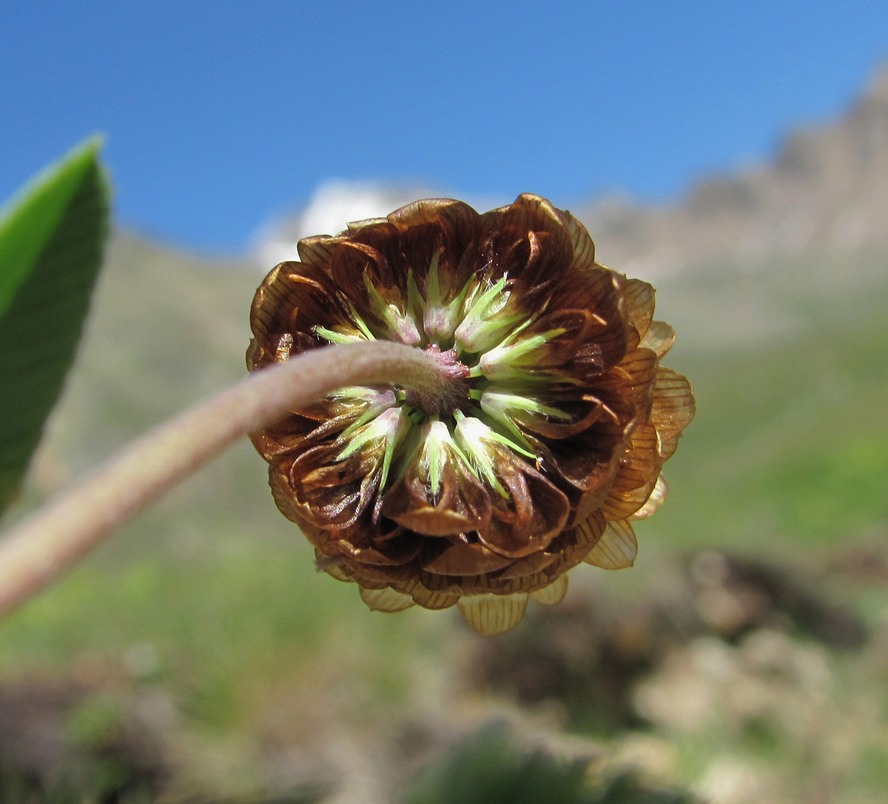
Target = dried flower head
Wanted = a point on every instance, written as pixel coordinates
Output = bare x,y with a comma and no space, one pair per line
550,441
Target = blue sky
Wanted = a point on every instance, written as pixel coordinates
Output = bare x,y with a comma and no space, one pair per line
219,115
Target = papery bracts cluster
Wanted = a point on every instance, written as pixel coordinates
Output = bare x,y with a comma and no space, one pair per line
550,444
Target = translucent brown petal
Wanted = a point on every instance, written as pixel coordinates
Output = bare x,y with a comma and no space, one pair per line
617,547
385,599
493,614
552,594
673,408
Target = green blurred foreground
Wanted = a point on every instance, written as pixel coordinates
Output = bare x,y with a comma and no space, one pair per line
201,656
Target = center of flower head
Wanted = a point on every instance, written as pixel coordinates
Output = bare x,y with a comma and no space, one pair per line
452,395
488,355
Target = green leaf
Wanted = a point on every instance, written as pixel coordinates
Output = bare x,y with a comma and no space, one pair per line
52,237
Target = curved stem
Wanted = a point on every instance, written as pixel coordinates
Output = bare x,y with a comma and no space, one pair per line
38,549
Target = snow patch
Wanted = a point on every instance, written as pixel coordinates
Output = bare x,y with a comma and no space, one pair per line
334,204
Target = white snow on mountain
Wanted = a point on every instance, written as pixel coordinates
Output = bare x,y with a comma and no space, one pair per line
337,202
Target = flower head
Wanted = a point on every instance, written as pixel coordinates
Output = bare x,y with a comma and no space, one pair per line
549,442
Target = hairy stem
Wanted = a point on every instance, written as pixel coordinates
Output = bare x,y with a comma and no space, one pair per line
38,549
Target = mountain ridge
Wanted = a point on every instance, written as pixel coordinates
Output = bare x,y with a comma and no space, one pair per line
825,189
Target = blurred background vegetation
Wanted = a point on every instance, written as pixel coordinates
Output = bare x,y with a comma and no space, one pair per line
200,656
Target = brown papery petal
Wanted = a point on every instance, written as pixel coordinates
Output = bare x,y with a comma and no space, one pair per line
535,513
359,543
596,291
333,493
552,594
272,307
492,614
454,218
579,326
527,240
631,380
636,475
616,549
585,412
588,460
588,532
445,557
375,572
461,505
439,227
673,408
298,431
639,299
279,481
429,598
583,246
385,599
659,338
293,300
600,483
657,498
319,249
357,263
529,565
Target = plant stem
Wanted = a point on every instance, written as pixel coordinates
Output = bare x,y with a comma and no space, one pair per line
38,549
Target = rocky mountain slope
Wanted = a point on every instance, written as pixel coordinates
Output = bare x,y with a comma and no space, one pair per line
826,190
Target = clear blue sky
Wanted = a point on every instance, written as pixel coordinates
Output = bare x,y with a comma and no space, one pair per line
221,114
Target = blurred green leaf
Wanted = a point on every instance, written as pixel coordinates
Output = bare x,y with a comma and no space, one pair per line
52,237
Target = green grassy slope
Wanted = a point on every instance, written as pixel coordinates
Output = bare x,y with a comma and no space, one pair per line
789,445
